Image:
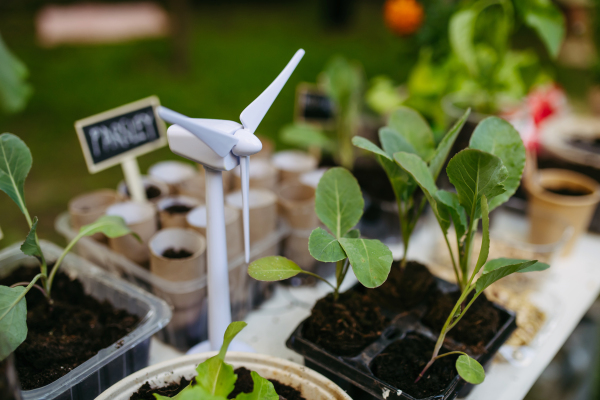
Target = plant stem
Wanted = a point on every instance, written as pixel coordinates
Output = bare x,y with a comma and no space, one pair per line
18,299
454,266
38,287
59,261
324,280
405,232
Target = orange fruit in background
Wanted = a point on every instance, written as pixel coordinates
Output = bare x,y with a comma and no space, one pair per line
403,17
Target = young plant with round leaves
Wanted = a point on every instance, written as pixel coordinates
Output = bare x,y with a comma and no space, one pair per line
339,205
15,164
485,176
407,131
216,379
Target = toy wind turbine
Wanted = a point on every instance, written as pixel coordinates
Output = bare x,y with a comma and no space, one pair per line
221,145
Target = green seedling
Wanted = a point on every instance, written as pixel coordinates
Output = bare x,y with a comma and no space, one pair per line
15,163
485,175
407,131
339,205
216,379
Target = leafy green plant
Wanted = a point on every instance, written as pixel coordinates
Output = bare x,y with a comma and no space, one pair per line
339,205
15,163
343,82
485,175
216,379
407,131
14,90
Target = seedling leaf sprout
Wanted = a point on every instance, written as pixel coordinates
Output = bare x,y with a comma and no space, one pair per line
15,164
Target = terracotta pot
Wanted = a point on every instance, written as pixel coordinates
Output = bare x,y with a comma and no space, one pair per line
263,212
297,205
141,219
577,210
172,173
311,384
88,207
263,175
196,220
172,219
293,163
178,269
163,188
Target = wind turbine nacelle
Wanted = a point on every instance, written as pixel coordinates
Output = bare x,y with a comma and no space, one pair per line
185,144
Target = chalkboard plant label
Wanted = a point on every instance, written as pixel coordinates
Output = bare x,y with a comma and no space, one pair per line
314,107
111,137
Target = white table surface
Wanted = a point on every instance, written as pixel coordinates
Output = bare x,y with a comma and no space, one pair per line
574,283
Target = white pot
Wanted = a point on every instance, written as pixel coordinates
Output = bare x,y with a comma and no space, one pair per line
312,385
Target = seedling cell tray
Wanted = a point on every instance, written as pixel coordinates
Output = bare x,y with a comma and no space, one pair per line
113,363
354,373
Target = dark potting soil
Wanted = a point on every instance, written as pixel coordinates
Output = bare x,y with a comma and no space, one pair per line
68,333
243,384
475,329
404,289
400,363
151,192
568,192
178,209
346,326
176,253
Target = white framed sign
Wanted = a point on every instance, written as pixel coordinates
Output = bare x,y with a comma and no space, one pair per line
121,134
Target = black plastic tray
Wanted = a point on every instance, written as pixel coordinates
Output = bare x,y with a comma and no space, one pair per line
353,373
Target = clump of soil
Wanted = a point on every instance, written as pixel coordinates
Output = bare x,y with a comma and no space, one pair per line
152,192
346,326
243,384
568,192
176,253
476,328
401,363
403,289
68,333
178,209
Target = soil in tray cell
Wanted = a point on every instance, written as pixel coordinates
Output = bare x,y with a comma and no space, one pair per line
404,289
151,192
568,192
178,209
68,333
346,326
176,253
400,363
243,384
476,328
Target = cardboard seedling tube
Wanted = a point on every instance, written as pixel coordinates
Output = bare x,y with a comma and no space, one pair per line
172,173
193,187
263,175
196,220
312,178
297,205
178,269
88,207
163,189
141,219
263,212
293,163
295,247
576,210
170,218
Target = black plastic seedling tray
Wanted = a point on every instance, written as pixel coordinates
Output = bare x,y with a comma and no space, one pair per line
354,374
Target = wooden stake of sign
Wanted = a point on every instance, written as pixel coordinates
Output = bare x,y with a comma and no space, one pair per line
1,234
118,136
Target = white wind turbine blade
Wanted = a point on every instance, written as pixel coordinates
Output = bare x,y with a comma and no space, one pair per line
217,134
255,112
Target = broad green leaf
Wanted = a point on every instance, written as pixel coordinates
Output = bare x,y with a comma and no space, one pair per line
414,129
497,269
475,173
456,211
195,392
15,163
216,377
111,225
462,31
13,326
371,260
263,390
230,333
30,245
443,149
402,183
305,136
392,142
366,144
14,90
324,247
273,268
417,168
470,370
546,19
485,237
339,203
496,136
352,234
538,266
